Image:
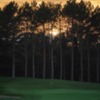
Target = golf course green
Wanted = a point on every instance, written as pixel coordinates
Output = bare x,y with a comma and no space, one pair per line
39,89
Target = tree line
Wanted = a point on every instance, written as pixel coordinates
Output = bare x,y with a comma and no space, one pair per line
28,47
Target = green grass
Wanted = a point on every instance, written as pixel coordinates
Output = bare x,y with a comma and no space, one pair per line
38,89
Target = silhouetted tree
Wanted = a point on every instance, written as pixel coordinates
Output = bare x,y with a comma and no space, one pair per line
9,26
94,26
69,11
25,14
54,15
83,13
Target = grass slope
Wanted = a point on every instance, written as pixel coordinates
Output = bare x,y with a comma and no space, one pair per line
38,89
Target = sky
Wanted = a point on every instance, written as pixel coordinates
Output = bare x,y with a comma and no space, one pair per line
3,2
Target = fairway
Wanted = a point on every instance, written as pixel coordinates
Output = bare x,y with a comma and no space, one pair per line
38,89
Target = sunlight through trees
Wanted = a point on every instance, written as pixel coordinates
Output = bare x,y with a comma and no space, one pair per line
48,40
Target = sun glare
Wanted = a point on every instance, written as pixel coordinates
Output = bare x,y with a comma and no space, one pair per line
54,32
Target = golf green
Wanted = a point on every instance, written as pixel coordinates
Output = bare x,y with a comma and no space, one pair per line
39,89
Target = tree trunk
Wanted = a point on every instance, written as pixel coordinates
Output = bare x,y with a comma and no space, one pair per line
81,58
52,54
88,61
52,60
72,64
98,59
61,53
13,62
61,59
72,57
44,52
26,55
33,63
26,51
